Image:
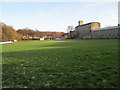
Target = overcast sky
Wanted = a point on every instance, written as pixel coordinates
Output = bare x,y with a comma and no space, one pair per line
56,16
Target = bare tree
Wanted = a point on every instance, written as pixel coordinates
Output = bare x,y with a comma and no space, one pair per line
70,28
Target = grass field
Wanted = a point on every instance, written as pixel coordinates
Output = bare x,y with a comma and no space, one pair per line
61,64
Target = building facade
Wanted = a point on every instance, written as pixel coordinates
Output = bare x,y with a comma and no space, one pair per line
93,30
110,32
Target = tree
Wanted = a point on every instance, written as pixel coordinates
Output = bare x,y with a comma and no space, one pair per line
70,28
8,33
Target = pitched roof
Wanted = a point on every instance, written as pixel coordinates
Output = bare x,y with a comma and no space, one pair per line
85,24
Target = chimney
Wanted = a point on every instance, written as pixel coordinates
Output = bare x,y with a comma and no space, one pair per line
80,23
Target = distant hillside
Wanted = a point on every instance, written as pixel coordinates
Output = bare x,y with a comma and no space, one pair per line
8,33
32,33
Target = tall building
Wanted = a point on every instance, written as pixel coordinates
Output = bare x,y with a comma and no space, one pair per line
84,30
93,30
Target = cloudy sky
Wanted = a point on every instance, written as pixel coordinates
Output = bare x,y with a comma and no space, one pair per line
56,16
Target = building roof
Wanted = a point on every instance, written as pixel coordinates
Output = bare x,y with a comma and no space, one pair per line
86,24
107,28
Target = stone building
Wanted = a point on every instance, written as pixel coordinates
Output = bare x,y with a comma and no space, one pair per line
93,30
84,30
72,34
109,32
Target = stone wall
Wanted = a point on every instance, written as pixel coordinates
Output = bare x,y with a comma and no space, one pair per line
111,32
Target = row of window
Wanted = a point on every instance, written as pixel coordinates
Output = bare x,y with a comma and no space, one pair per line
107,36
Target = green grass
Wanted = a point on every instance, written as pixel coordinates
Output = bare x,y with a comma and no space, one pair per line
61,64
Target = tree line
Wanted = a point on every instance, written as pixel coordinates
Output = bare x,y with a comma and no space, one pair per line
8,33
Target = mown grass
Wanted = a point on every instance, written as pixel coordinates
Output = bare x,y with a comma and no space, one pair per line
61,64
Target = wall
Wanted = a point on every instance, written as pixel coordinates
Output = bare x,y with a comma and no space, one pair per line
95,25
106,33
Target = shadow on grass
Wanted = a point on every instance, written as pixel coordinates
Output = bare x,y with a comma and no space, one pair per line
59,68
61,65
